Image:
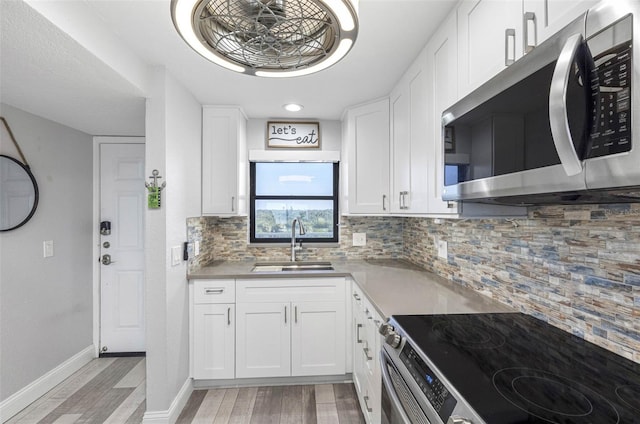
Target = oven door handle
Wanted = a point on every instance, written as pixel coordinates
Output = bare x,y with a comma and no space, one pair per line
393,396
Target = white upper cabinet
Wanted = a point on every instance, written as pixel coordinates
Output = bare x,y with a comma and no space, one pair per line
442,59
224,161
490,38
543,18
366,138
409,141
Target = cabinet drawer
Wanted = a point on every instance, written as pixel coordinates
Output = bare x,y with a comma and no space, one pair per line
214,291
291,289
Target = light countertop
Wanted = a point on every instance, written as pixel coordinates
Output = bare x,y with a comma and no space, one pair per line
394,287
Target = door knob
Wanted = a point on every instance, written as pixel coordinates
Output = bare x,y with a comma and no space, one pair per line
106,260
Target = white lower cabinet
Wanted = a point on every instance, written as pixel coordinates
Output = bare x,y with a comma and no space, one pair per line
290,327
318,343
213,329
366,347
263,340
214,349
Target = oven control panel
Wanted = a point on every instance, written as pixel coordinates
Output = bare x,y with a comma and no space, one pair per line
436,393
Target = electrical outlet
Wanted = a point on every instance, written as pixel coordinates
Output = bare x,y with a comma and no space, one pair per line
359,239
442,249
47,248
176,255
196,248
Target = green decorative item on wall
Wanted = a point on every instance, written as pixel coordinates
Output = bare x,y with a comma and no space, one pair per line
154,196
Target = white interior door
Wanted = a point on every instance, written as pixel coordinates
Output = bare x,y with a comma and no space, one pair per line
122,204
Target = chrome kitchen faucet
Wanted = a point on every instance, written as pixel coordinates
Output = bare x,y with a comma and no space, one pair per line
293,237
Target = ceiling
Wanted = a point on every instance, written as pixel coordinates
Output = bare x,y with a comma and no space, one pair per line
74,80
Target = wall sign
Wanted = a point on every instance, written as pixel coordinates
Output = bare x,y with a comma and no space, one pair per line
293,135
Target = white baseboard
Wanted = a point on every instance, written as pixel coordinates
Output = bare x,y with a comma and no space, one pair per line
30,393
171,415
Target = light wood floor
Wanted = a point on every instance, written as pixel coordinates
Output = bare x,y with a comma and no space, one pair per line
112,390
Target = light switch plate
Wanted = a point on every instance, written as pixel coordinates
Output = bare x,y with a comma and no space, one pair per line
47,248
176,255
442,249
196,248
359,239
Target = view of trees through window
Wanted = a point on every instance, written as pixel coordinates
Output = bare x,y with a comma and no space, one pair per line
273,221
282,192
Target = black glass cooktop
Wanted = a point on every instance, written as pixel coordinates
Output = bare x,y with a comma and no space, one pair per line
515,369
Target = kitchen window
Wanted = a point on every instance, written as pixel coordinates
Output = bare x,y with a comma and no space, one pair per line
283,191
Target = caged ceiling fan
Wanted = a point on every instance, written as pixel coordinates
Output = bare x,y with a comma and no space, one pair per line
268,38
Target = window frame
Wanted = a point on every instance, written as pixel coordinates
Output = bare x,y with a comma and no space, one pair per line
252,208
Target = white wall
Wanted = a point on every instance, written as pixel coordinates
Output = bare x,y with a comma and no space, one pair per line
46,303
173,148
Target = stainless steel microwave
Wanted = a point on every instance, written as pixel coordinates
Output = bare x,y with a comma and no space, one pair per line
556,126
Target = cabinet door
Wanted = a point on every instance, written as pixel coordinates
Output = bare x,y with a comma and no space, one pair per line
367,138
417,200
213,341
400,147
490,35
546,17
358,339
318,338
223,161
263,341
442,58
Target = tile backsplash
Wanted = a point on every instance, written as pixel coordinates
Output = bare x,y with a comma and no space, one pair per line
577,267
226,238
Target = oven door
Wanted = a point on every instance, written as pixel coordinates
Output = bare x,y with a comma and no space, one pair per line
399,406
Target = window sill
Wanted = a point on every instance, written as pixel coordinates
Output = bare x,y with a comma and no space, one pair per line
304,245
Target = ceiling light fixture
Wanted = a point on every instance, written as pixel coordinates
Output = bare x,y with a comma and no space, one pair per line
268,38
293,107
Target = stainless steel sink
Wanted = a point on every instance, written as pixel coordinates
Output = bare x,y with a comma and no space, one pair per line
292,266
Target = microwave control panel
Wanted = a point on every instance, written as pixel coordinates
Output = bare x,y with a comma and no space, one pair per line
611,82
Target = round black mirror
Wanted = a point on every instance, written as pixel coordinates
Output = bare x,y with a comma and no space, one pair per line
18,193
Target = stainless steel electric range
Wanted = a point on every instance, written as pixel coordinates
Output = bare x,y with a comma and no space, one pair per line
506,368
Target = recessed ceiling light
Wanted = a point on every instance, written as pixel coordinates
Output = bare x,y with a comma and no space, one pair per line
293,107
268,38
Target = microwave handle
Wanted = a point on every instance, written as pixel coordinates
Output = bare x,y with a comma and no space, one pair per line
558,118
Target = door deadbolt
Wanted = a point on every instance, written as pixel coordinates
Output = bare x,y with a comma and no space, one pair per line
106,244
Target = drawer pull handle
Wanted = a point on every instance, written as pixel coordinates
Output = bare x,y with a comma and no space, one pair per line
295,309
229,316
214,291
358,327
509,35
366,354
285,315
530,27
366,404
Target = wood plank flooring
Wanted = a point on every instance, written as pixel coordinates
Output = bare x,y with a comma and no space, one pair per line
317,404
112,390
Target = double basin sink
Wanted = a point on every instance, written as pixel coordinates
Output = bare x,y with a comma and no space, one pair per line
292,266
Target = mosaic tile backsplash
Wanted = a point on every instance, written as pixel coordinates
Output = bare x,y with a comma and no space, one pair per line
577,267
226,238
